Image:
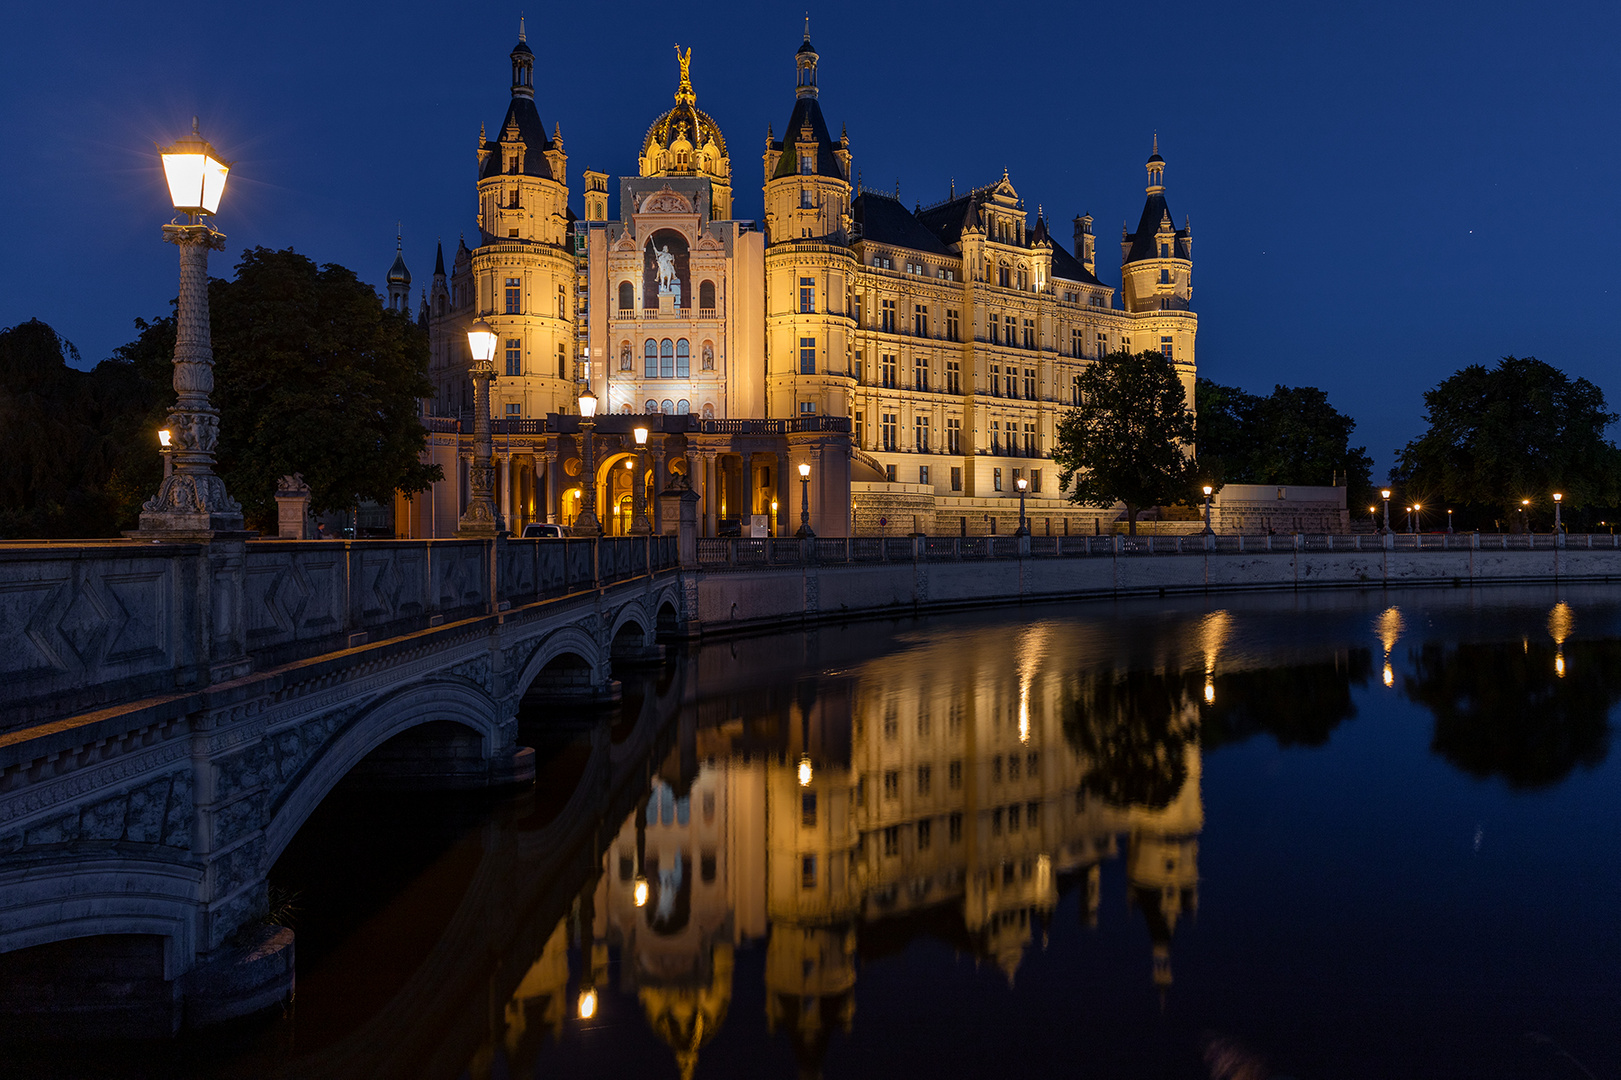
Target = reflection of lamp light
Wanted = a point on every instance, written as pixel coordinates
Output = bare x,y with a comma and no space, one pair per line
1390,676
1559,664
588,1003
1209,692
638,894
804,770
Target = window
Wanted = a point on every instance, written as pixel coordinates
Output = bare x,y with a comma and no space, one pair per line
1165,347
807,296
1002,276
1164,277
923,475
996,822
514,287
920,373
888,370
954,827
1013,761
1077,342
807,872
706,867
1012,381
514,356
666,406
925,775
650,366
1009,325
512,234
956,478
1075,390
954,775
1015,478
892,840
920,320
892,724
1103,345
859,367
1165,251
856,309
889,473
807,810
651,406
807,163
923,836
807,356
861,424
996,479
562,302
706,296
562,361
683,359
887,317
996,441
1030,440
1030,383
1013,818
806,200
683,407
996,379
514,409
953,330
920,430
890,440
627,296
953,376
993,325
1030,762
807,408
1029,334
1035,480
667,359
892,784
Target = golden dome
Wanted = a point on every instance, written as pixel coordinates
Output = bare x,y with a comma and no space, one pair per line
685,141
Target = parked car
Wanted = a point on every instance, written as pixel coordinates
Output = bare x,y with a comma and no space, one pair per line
539,530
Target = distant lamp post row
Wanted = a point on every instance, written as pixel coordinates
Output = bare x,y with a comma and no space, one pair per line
192,501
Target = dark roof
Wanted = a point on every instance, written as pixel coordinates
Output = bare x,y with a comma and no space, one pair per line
522,47
531,131
1070,268
398,274
946,220
807,111
1142,241
884,220
805,48
439,259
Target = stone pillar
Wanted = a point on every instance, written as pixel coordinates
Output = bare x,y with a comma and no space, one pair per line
553,504
746,517
658,490
785,492
506,489
711,493
293,508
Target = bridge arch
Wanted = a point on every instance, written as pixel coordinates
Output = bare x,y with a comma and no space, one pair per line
558,648
458,701
633,613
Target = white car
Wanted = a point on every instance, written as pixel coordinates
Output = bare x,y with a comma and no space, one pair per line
539,530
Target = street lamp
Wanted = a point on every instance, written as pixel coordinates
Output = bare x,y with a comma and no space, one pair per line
1557,499
1208,491
164,439
639,525
586,524
1385,495
192,499
804,532
1415,525
481,519
1525,509
1373,518
1022,484
1449,522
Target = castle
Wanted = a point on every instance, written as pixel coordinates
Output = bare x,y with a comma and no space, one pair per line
918,360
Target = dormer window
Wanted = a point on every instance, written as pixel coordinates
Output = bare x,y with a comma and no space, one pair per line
807,162
512,165
513,203
806,201
1165,251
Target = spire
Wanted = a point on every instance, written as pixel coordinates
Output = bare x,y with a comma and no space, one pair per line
805,60
1156,170
439,258
523,66
520,27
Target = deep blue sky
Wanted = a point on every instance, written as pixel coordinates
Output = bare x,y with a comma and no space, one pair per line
1380,193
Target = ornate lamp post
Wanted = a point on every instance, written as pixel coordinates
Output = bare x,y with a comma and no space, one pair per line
1449,522
1208,491
1022,484
639,525
1373,518
481,519
192,499
1385,495
804,532
1525,519
1558,498
586,524
1413,522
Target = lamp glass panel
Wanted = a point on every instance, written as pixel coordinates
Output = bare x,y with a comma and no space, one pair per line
185,175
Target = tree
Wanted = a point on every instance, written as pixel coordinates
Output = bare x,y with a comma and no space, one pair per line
1293,436
1130,439
1523,429
1133,728
313,376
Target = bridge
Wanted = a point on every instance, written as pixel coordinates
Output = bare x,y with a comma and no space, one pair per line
174,712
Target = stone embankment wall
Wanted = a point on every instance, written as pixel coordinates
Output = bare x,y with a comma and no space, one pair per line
731,601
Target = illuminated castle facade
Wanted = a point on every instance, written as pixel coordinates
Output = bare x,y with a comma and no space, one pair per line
919,359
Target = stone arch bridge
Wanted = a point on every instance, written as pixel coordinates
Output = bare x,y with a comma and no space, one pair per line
172,713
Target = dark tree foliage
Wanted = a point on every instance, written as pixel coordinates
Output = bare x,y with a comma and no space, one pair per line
67,434
1130,439
1134,729
1503,710
313,376
1296,706
1522,429
1293,436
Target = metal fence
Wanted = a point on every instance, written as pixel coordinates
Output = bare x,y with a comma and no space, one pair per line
747,553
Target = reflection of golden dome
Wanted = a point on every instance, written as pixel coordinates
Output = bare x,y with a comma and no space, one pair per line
685,141
688,1017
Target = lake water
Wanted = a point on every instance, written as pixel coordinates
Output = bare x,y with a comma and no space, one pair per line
1319,836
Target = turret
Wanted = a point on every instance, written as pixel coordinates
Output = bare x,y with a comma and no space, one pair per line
399,279
1157,260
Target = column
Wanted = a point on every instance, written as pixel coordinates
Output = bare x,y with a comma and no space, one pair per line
658,489
747,515
711,493
506,490
551,505
785,492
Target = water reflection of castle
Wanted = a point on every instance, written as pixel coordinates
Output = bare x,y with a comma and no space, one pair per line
941,797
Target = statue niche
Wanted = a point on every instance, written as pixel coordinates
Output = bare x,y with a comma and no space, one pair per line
665,270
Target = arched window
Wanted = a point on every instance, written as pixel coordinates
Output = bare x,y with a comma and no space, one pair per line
683,359
627,296
651,359
667,406
682,407
667,358
652,406
706,294
625,408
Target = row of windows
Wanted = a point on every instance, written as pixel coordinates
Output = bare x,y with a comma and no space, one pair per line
889,437
514,358
627,295
666,359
